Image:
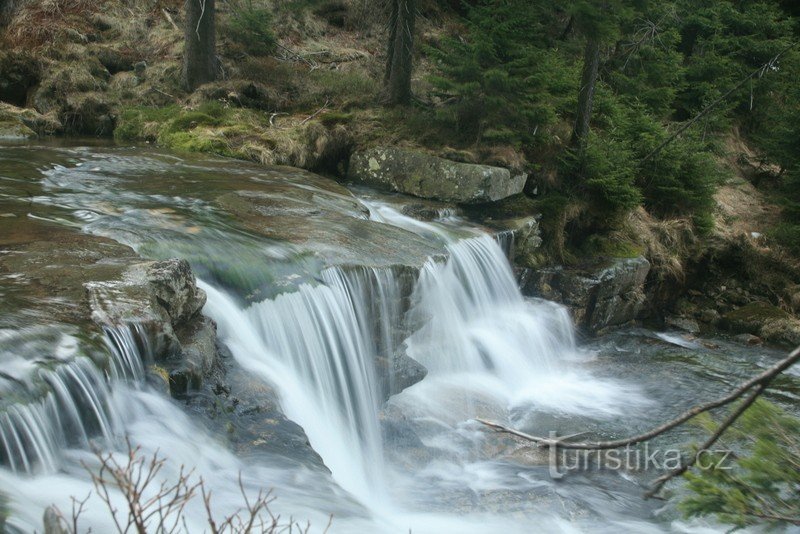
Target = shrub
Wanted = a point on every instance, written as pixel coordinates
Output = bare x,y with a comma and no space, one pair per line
763,482
251,28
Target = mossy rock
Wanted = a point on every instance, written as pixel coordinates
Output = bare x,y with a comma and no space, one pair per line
15,131
751,318
766,321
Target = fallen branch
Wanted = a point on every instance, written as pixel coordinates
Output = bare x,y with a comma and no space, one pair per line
272,118
297,56
320,110
169,19
762,380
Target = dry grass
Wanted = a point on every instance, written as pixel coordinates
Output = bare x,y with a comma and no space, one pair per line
42,23
666,242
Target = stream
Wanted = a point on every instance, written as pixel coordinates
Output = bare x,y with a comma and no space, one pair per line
309,290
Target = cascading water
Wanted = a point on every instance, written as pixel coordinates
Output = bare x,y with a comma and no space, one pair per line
74,408
319,346
328,349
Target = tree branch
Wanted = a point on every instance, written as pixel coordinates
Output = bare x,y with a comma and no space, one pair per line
762,379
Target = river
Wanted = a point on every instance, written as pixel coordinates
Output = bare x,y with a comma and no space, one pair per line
305,304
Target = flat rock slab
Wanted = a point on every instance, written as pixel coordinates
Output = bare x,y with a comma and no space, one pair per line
426,176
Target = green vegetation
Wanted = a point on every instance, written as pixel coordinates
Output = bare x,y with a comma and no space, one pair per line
250,28
761,483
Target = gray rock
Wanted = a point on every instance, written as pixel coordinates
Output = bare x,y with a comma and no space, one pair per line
174,288
768,322
710,316
398,373
597,298
426,176
15,131
686,324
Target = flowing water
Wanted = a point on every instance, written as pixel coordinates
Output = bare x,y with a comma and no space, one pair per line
305,317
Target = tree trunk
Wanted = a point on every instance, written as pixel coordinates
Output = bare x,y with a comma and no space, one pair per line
591,63
397,79
200,52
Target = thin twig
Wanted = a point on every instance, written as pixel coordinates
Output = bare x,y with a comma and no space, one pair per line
685,466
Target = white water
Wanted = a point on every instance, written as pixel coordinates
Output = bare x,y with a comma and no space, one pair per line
487,349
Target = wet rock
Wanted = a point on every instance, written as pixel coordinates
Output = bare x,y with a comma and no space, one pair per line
164,300
423,175
331,225
761,319
38,123
15,131
247,412
522,238
686,324
174,287
398,373
748,339
598,298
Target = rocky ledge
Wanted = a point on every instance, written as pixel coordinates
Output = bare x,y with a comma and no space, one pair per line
88,290
422,175
598,298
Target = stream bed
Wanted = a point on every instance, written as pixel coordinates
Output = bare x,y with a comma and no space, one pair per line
380,338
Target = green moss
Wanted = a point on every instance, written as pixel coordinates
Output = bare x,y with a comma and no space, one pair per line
143,123
195,141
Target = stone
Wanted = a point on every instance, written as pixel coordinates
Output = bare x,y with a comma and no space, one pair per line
686,324
766,321
53,524
398,373
15,131
34,123
598,298
524,239
419,174
174,287
710,316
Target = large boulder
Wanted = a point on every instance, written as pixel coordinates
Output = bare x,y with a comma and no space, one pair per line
426,176
598,298
766,321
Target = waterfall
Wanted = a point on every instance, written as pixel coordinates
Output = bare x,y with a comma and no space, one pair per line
319,345
74,407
